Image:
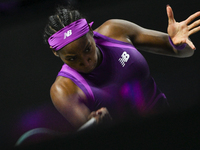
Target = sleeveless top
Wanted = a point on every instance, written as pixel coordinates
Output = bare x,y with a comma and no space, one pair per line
122,79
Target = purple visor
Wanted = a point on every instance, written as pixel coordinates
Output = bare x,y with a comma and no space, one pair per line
69,34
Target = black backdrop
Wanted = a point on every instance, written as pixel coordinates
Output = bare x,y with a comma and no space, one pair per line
28,67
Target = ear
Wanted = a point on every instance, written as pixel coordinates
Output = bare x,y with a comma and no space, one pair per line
91,32
54,52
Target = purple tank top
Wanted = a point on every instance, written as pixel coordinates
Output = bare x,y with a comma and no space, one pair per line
123,78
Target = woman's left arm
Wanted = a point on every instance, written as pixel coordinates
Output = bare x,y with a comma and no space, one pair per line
155,41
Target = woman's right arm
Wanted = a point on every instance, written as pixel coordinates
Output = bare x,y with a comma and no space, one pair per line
69,101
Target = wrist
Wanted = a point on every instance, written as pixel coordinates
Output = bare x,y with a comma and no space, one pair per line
177,47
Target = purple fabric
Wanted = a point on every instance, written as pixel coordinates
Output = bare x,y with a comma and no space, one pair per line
72,74
68,34
122,78
178,47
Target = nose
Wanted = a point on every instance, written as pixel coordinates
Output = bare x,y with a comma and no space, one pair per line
85,61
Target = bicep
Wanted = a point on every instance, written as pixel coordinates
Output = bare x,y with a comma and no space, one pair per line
68,102
142,38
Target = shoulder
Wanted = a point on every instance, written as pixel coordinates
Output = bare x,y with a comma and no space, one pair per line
119,29
108,27
64,88
63,84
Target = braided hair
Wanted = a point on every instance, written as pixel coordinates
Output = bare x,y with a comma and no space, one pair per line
62,17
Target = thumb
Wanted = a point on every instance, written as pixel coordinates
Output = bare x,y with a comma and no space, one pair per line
170,15
191,44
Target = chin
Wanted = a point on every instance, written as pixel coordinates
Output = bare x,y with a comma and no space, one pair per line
87,70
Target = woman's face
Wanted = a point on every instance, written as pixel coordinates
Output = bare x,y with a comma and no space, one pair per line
81,54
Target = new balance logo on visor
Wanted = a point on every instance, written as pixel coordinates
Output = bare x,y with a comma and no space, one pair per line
67,34
124,58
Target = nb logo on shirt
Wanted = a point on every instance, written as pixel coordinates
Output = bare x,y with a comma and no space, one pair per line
67,34
124,58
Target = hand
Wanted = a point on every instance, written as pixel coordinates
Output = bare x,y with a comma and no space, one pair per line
102,116
180,31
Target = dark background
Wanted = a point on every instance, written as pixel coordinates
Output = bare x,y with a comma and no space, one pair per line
28,67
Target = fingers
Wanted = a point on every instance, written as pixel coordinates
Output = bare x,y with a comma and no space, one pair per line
170,15
190,44
194,31
92,114
99,112
102,115
194,25
102,112
192,17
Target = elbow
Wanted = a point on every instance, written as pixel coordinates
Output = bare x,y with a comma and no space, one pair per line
190,53
185,55
187,52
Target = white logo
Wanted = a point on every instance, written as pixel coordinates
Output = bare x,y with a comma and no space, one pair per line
124,58
67,34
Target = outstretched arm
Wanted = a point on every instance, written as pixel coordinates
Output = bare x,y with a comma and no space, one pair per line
155,41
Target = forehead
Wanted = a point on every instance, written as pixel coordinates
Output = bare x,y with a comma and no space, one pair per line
76,46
